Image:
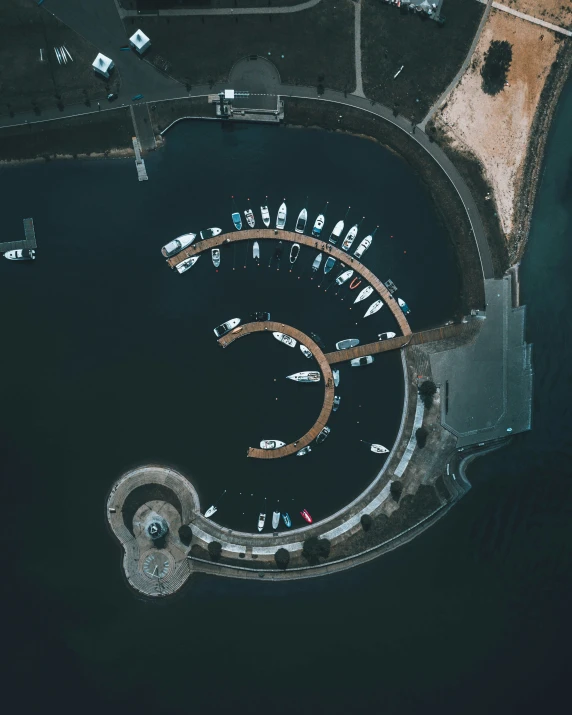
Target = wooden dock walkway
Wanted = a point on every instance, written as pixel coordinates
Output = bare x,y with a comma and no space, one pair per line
327,248
271,326
29,240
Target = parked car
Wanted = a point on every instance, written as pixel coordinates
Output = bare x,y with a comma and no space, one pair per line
111,97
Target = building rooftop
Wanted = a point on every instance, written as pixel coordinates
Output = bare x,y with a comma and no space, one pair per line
139,40
102,63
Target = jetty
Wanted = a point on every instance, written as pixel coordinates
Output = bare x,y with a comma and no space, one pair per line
29,241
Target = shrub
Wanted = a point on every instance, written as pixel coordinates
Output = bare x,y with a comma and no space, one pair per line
282,558
366,522
215,550
185,534
427,391
496,66
396,489
421,437
315,548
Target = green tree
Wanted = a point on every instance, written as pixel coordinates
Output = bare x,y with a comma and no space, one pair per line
185,534
421,437
215,550
396,489
366,522
427,391
282,558
495,68
315,548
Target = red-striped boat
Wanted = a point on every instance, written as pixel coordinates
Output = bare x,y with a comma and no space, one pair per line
305,514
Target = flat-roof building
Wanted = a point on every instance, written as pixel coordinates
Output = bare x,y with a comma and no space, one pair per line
103,65
140,42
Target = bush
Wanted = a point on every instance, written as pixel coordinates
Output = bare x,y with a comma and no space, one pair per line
427,391
496,66
366,522
315,548
282,558
396,489
215,550
185,534
421,437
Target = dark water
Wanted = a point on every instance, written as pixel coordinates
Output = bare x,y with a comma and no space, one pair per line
473,617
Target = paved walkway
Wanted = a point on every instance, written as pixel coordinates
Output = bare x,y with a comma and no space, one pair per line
222,10
530,18
357,38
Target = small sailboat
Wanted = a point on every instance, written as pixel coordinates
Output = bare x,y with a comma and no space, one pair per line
363,294
184,266
287,520
347,344
316,263
281,218
215,252
377,448
305,514
256,251
305,376
236,219
286,339
301,222
275,519
22,254
323,435
271,444
365,244
386,336
294,252
249,217
213,509
343,277
210,233
350,236
176,245
355,283
305,351
261,521
303,451
336,233
265,214
358,362
329,264
337,400
403,305
336,376
373,308
319,223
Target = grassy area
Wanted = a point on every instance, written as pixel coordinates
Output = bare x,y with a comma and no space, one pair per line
28,84
97,133
429,53
317,42
163,113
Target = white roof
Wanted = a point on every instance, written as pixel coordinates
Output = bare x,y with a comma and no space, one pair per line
102,63
139,39
229,93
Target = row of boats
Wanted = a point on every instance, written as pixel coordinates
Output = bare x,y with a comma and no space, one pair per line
305,514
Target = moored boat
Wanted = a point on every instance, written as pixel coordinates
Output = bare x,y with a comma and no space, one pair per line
303,451
337,400
186,264
350,237
343,277
224,328
281,217
177,244
336,376
286,339
287,520
22,254
215,252
265,215
358,362
301,222
305,376
256,251
364,245
316,263
318,226
305,514
237,221
271,444
336,233
373,308
210,511
275,519
261,521
355,283
210,233
323,435
305,351
386,336
379,449
329,264
363,294
294,252
249,217
346,344
403,305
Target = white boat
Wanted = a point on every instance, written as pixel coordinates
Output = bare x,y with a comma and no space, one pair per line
226,327
305,351
403,305
286,339
386,336
303,451
177,244
301,222
210,233
256,251
294,252
363,294
337,400
373,308
21,254
281,218
265,215
188,263
363,246
210,511
215,252
346,344
316,263
249,217
323,434
318,225
343,277
305,376
358,362
275,519
379,449
336,376
336,233
271,444
329,264
350,237
261,520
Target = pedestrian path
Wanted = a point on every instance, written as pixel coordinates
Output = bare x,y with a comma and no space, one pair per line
530,18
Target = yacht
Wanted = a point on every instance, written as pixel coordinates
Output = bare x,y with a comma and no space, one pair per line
318,226
188,263
294,252
316,263
305,351
286,339
177,244
363,294
210,233
281,218
22,254
358,362
265,215
256,251
343,277
379,449
216,256
261,520
386,336
373,308
275,519
363,246
337,400
249,217
301,222
305,514
226,327
350,237
403,305
303,451
336,233
329,264
287,520
305,376
237,221
323,435
271,444
346,344
336,376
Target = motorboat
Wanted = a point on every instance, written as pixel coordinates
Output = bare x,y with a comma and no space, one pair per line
271,444
337,400
303,451
373,308
210,233
318,226
343,277
350,237
265,215
275,519
224,328
249,217
237,221
403,305
379,449
323,435
177,244
301,222
215,252
261,521
260,315
386,336
336,233
305,514
336,376
346,344
329,264
256,251
286,339
305,376
281,218
188,263
316,263
358,362
355,283
210,511
23,254
305,351
363,294
363,246
286,519
294,252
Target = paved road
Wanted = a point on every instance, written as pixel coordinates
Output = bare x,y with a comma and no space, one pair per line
530,18
357,37
223,10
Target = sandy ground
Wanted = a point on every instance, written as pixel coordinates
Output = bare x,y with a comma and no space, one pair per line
558,12
497,128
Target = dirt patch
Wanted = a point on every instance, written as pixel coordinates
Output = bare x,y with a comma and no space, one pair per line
558,12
